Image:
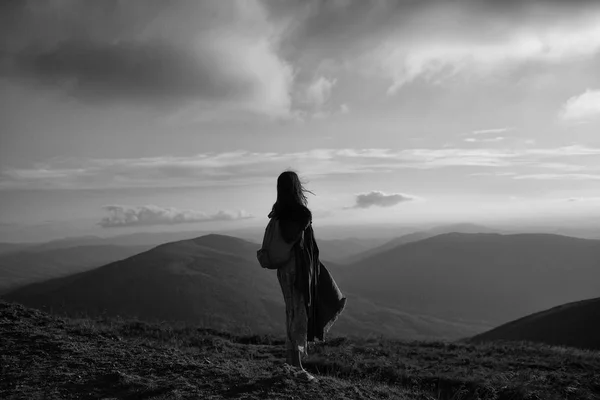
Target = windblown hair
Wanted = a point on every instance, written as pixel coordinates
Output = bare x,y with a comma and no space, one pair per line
291,197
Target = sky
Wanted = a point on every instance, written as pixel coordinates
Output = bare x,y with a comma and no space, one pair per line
120,116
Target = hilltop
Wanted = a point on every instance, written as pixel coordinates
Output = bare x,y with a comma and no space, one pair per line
575,324
44,356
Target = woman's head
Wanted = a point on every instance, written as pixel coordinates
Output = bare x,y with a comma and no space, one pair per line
290,190
291,194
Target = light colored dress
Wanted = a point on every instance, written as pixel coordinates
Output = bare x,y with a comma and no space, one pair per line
295,309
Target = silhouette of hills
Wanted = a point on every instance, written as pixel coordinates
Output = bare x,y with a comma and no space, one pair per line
216,280
575,324
11,247
18,268
420,235
482,277
212,278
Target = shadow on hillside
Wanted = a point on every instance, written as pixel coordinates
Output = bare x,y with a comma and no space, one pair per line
260,386
120,385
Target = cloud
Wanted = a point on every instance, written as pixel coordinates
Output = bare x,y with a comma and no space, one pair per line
208,53
319,92
344,109
578,177
263,56
246,167
433,41
380,199
490,131
582,107
578,199
484,140
124,216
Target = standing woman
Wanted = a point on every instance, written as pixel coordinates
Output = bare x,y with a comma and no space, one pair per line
312,299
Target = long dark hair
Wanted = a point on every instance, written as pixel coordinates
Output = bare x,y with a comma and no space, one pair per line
291,195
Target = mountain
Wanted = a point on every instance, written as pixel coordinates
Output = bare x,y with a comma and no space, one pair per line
212,278
420,235
575,324
481,277
131,239
215,279
18,268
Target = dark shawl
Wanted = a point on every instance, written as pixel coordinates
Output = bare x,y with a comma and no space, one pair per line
323,299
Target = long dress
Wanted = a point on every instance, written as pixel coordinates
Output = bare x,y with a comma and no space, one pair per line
295,308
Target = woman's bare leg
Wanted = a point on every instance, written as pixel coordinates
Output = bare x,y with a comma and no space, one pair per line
297,359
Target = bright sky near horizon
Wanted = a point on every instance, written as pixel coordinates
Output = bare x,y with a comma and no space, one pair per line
148,114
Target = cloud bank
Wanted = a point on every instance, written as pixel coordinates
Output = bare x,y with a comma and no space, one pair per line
211,52
274,57
380,199
125,216
245,167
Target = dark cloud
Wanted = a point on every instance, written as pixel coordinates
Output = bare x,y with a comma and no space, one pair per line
262,54
380,199
124,216
129,70
147,51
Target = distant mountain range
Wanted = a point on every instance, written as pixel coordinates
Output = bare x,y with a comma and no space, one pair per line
481,277
217,281
575,324
447,286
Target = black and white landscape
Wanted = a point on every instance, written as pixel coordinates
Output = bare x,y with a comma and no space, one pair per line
452,154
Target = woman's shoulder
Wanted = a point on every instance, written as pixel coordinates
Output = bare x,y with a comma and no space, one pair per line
299,214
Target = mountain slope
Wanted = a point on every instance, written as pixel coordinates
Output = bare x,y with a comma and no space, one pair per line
215,280
575,324
48,357
490,277
18,268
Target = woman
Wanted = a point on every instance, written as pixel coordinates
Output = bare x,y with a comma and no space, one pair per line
312,300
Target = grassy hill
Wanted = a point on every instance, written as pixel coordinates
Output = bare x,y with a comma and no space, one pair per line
216,280
490,277
575,324
44,356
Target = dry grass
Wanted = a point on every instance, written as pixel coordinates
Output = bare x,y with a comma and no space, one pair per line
46,357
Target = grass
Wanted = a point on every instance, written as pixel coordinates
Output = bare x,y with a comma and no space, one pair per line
48,357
